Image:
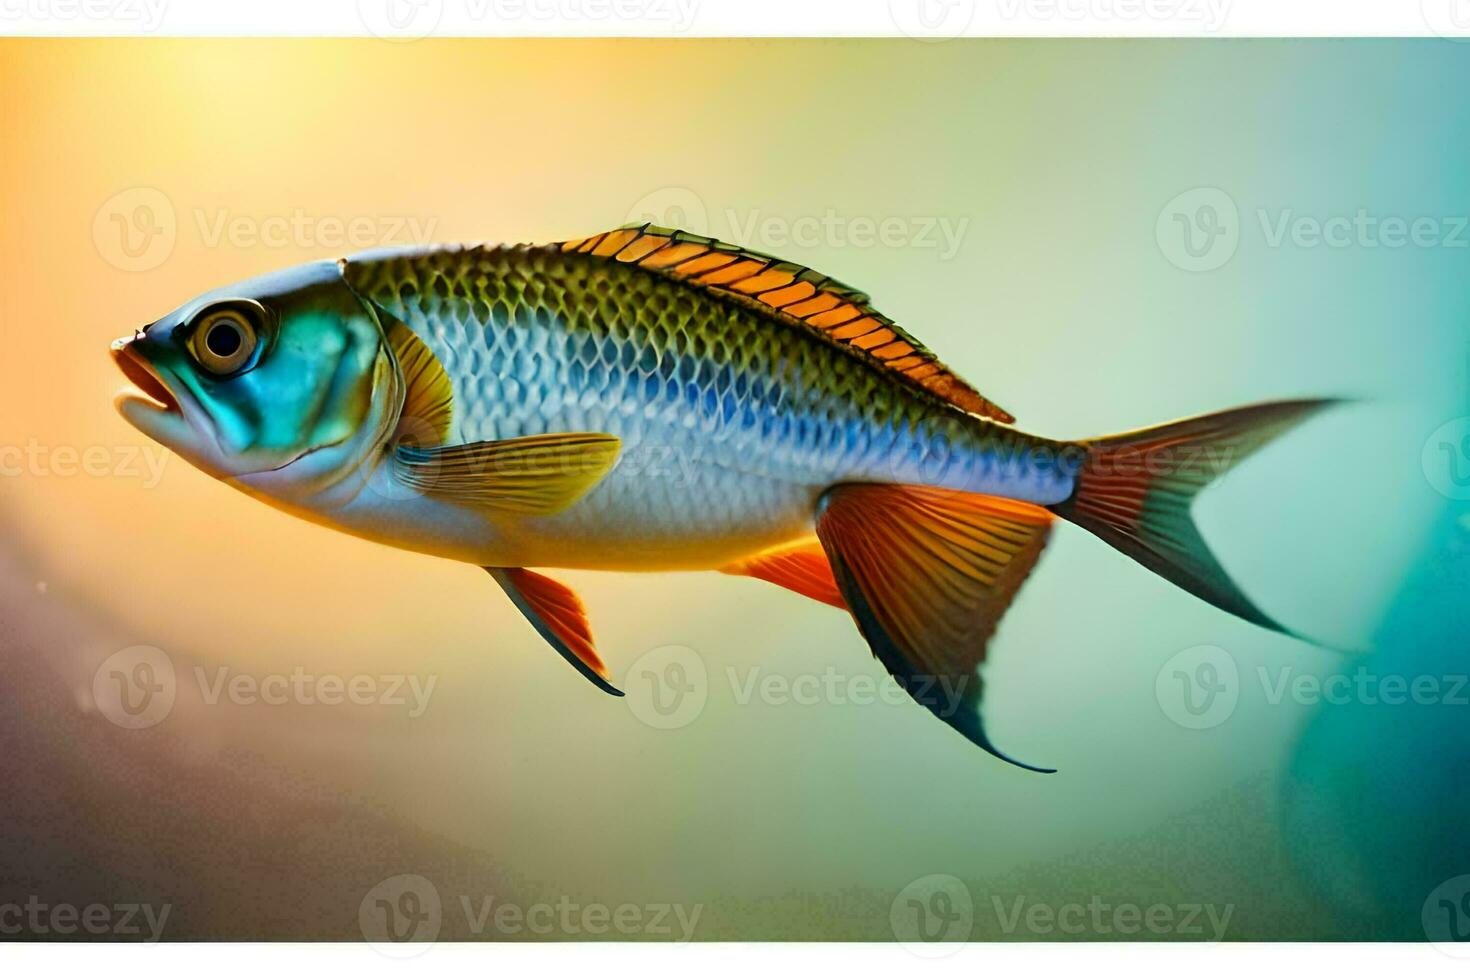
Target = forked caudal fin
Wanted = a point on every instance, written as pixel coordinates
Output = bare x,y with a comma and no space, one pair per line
928,573
1135,491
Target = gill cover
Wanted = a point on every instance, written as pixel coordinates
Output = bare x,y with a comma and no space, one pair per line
277,382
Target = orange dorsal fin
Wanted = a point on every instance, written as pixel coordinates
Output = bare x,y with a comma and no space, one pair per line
801,567
559,617
792,292
927,574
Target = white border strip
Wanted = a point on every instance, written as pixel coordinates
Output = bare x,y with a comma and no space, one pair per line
739,961
928,19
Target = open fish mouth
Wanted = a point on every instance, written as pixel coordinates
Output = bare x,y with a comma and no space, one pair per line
143,375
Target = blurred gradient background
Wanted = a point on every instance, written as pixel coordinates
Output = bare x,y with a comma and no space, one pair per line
1100,235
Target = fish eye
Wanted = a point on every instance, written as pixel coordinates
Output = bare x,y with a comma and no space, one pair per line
224,339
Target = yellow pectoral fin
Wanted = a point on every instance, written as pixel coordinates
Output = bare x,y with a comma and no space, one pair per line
428,397
531,475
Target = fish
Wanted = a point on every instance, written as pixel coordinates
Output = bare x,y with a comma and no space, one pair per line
646,399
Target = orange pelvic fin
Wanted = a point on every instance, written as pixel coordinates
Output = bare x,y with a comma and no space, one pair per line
559,617
927,574
801,567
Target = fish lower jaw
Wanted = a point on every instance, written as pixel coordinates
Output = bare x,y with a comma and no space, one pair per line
160,422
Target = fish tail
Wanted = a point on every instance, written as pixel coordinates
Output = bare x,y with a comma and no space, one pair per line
927,572
1135,490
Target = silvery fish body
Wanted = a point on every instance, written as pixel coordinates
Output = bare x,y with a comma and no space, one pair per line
647,399
732,422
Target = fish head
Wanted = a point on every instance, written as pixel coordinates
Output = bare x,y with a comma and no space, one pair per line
282,384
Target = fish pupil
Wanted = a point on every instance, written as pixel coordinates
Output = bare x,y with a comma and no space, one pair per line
223,340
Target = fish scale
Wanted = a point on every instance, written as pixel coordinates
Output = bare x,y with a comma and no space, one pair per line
751,417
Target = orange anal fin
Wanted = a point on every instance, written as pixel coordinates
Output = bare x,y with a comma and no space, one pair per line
559,617
927,574
801,567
